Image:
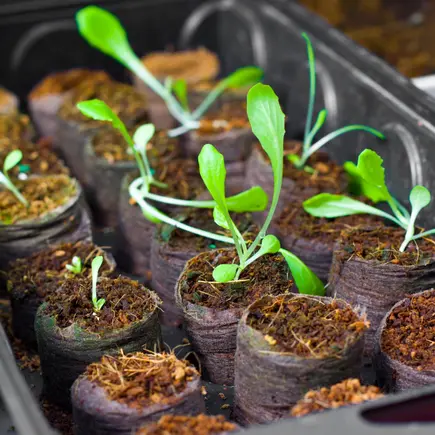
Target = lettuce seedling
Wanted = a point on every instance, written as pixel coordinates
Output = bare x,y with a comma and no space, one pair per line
308,148
370,175
103,30
96,264
12,160
76,266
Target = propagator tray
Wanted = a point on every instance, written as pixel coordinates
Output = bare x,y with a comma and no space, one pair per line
40,37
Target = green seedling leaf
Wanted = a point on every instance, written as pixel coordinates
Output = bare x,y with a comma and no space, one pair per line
12,160
75,266
225,272
180,89
305,279
143,135
219,218
253,199
270,245
295,159
96,264
103,30
100,303
419,197
243,77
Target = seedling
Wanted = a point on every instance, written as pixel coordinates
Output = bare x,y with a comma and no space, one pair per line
103,30
370,176
308,148
12,160
96,264
254,199
267,122
76,266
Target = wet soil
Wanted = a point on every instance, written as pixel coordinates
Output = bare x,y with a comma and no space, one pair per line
307,327
38,158
44,195
187,425
267,275
230,116
382,245
110,145
59,419
42,272
409,333
14,128
64,81
142,379
127,302
177,239
191,65
296,222
348,392
123,99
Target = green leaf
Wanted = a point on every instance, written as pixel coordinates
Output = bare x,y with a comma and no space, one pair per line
243,77
100,303
96,264
225,272
305,279
103,30
270,245
419,197
219,218
294,158
253,199
11,160
180,90
142,136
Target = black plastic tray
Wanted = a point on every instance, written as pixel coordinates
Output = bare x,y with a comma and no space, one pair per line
354,86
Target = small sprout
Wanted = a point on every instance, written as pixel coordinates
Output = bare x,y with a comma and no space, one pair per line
12,160
308,147
368,175
76,266
96,264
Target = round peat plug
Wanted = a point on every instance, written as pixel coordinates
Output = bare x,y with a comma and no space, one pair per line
289,344
119,394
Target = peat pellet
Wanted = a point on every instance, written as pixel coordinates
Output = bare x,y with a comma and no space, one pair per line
8,102
68,222
31,279
369,271
404,356
119,394
289,344
15,127
71,335
212,310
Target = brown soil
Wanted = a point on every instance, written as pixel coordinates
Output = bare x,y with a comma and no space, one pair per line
127,302
347,392
142,379
307,327
382,244
58,418
13,128
123,99
38,159
178,239
231,116
409,334
295,221
268,275
44,195
328,176
191,65
42,272
207,85
64,81
187,425
110,145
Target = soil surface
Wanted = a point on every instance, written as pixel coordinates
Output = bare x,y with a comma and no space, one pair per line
231,116
267,275
64,81
123,99
382,245
44,195
38,158
127,302
6,97
178,239
13,128
295,221
110,145
187,425
327,176
347,392
191,65
59,419
42,272
307,327
142,379
409,334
